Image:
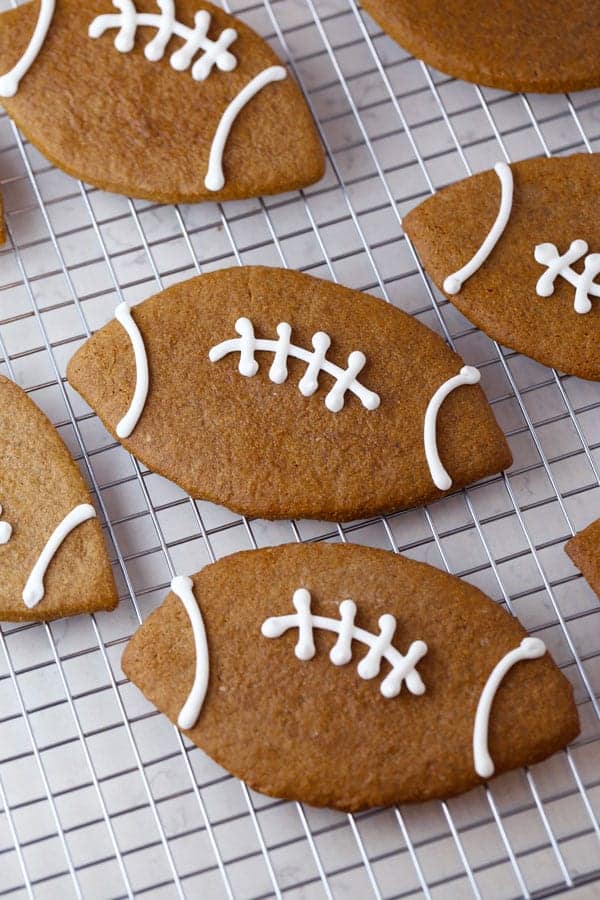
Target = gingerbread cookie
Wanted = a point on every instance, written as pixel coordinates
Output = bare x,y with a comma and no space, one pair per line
168,101
517,251
546,46
343,676
278,394
53,561
584,551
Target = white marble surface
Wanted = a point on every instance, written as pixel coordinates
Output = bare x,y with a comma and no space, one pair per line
94,787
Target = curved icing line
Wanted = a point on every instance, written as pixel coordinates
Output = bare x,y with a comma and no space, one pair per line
33,591
183,587
129,20
454,282
548,255
142,379
530,648
345,379
5,530
215,179
439,475
9,83
403,667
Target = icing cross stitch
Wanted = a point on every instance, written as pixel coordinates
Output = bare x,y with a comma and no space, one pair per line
128,20
584,284
5,530
380,645
345,379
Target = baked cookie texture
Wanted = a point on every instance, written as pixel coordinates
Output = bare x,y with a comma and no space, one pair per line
142,128
584,551
255,442
40,484
309,730
555,203
544,46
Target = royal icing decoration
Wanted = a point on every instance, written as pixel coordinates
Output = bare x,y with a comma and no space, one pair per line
33,591
530,648
345,379
454,282
585,287
5,530
439,475
9,83
215,179
380,645
215,53
183,587
128,20
142,378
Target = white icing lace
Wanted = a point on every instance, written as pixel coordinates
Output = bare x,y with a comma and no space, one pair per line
585,287
5,530
380,645
345,379
128,20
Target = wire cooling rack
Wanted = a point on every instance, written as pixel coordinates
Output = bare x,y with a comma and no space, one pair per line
100,797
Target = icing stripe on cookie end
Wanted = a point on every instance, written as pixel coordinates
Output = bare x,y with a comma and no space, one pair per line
183,587
9,83
454,282
215,179
142,379
33,591
530,648
439,475
5,530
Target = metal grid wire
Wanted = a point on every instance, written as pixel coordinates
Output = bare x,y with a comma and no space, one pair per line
100,797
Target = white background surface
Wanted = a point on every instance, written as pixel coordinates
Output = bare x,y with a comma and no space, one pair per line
99,795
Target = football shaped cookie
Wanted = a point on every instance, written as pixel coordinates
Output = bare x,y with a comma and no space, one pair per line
546,46
584,551
173,101
281,395
53,561
349,677
517,251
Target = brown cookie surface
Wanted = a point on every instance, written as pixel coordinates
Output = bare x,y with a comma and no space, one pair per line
40,485
547,46
309,730
554,202
125,123
584,551
257,443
